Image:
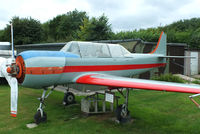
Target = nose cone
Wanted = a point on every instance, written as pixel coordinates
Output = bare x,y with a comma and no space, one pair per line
17,69
9,70
21,69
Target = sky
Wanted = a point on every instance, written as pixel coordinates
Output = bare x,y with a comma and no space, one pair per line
124,15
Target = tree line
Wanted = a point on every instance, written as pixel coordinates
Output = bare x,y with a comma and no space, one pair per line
74,25
183,31
77,25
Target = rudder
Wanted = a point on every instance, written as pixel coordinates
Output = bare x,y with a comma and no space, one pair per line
161,45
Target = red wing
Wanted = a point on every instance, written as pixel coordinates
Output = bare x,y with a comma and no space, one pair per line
116,81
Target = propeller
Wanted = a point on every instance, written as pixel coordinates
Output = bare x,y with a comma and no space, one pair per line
9,71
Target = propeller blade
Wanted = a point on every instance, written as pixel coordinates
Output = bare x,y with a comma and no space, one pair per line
8,70
12,41
12,81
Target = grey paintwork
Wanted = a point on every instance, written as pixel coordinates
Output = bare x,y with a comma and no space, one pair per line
38,81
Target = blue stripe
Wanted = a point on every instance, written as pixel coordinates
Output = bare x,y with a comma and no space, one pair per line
33,54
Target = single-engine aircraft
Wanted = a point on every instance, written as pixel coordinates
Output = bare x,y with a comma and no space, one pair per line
109,65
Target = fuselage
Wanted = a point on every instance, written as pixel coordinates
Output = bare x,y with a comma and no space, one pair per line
46,68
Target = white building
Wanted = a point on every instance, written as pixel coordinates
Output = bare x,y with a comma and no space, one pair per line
192,65
5,49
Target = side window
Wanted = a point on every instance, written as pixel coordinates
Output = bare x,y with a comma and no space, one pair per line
92,50
87,51
102,51
116,51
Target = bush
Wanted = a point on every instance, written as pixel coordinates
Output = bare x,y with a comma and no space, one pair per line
3,81
196,82
169,78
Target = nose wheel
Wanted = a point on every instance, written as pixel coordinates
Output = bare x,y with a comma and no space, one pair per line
40,116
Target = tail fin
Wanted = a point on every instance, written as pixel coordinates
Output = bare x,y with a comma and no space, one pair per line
161,45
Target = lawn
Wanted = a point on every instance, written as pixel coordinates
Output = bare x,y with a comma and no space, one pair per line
153,113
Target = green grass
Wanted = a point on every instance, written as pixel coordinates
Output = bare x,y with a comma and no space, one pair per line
153,113
170,78
196,82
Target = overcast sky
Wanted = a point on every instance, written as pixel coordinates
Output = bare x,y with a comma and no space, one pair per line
122,14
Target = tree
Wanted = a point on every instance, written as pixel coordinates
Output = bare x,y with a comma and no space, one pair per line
65,27
95,29
1,35
195,39
46,36
26,31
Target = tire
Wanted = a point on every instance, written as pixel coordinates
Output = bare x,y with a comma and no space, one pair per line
38,118
120,115
69,98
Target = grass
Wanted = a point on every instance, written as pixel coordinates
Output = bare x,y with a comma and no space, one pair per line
172,78
153,113
169,77
196,82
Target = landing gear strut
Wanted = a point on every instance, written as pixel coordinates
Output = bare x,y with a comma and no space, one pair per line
69,98
122,112
40,115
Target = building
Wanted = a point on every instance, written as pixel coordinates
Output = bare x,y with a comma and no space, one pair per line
5,49
192,65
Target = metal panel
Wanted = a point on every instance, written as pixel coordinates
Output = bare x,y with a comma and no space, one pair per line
194,63
187,64
176,65
199,61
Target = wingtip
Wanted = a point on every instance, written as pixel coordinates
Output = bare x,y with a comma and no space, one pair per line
13,115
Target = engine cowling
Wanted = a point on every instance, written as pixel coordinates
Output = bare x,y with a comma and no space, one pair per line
37,69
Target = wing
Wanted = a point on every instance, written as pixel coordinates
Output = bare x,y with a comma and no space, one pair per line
116,81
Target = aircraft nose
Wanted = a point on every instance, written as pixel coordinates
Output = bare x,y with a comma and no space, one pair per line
9,70
20,68
17,69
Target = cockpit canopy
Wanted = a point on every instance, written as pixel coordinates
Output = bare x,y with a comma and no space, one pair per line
95,50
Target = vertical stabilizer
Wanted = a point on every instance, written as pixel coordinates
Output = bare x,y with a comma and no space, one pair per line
161,47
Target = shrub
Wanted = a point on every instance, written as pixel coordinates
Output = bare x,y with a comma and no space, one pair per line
169,78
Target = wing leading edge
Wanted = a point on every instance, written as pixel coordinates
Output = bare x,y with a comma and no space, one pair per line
116,81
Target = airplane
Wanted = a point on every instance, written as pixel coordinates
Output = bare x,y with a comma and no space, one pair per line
101,64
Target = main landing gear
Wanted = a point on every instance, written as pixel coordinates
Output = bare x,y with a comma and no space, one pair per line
40,115
122,112
69,98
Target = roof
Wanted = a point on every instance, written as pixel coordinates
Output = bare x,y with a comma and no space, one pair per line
60,45
169,44
41,45
5,46
4,43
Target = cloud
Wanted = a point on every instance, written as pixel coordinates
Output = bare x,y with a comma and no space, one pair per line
42,10
123,15
155,13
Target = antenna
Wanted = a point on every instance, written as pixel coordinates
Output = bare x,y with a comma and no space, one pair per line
12,41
